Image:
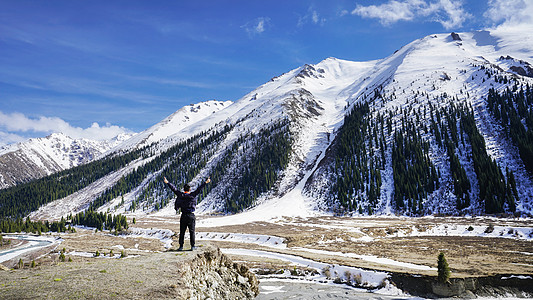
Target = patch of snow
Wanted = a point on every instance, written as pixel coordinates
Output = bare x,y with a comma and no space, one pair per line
369,278
267,289
370,258
258,239
518,277
164,235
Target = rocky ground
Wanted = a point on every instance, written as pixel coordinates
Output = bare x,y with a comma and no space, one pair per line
144,273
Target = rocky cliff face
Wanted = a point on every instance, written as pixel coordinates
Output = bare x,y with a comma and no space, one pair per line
212,275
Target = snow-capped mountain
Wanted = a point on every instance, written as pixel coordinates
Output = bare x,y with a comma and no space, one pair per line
182,119
39,157
422,131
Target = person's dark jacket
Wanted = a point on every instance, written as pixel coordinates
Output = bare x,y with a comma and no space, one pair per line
185,201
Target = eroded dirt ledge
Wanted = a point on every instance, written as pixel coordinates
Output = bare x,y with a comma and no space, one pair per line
201,274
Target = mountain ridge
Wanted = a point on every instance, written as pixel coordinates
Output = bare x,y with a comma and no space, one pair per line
39,157
424,96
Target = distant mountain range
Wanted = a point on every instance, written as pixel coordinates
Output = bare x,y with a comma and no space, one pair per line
439,127
39,157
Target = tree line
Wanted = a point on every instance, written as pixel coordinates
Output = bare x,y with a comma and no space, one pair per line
10,225
100,220
20,200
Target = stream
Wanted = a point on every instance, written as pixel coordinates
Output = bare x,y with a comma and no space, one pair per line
33,243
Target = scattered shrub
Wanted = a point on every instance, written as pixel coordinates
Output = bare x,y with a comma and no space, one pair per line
124,254
383,283
327,272
62,255
358,279
348,277
443,269
33,263
294,272
489,228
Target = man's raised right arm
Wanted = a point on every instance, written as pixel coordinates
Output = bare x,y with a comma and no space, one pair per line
171,186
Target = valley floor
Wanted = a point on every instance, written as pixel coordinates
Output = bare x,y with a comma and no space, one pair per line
473,246
311,254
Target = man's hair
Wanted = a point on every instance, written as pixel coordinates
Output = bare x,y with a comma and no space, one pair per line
186,187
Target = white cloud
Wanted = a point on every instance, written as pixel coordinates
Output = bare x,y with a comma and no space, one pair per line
9,138
315,17
257,26
449,13
13,124
343,13
510,12
311,16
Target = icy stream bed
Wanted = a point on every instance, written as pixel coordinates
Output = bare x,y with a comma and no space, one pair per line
32,243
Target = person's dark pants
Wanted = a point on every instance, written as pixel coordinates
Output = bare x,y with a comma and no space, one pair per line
187,220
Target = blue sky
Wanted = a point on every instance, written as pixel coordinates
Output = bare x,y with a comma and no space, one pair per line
97,68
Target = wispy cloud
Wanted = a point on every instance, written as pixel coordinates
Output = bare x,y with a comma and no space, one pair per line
510,12
10,138
106,87
13,124
449,13
257,26
312,16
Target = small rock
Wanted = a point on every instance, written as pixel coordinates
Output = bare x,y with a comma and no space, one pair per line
468,295
4,268
241,279
456,37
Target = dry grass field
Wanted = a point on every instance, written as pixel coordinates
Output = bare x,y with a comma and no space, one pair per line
473,247
467,255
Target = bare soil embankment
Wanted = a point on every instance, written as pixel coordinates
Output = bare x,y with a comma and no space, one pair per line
144,274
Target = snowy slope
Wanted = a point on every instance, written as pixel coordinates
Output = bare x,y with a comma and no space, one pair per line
43,156
185,117
436,71
441,68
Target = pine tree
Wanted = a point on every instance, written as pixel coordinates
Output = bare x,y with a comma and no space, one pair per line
443,269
